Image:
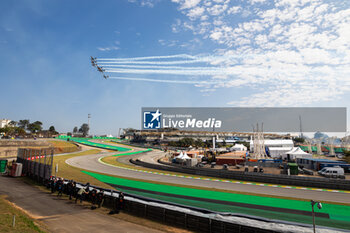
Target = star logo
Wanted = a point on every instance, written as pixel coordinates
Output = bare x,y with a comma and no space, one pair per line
156,115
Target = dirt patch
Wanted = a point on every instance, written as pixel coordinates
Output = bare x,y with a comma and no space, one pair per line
23,221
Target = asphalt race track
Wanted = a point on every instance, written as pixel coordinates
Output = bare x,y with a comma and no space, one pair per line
92,163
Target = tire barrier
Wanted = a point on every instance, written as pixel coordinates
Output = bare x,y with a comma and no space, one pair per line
325,183
36,162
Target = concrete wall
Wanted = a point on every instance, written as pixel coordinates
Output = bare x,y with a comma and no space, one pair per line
9,147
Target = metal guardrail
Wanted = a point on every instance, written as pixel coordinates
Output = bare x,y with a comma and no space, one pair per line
251,176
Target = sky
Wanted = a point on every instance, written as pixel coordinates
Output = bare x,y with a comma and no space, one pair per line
168,53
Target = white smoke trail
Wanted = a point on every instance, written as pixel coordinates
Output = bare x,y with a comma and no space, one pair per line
153,62
196,72
166,81
185,56
164,60
159,67
171,65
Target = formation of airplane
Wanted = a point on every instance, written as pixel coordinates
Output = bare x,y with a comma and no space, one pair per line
99,68
93,61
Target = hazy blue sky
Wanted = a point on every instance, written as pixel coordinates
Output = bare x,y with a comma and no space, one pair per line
229,53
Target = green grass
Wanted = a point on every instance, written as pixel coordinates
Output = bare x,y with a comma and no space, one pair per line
23,222
99,145
69,172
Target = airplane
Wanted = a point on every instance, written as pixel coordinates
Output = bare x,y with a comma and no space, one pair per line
105,76
100,69
93,61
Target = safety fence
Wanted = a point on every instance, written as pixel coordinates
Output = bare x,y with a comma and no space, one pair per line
250,176
36,162
185,220
191,218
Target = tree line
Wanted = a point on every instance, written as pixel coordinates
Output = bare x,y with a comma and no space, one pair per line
186,142
84,130
22,127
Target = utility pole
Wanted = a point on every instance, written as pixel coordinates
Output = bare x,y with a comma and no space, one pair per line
301,129
89,116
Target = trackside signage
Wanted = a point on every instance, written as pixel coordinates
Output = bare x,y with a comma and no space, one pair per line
242,119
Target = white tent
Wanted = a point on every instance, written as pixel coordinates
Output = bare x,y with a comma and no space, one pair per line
179,156
276,152
182,157
185,156
295,153
239,147
292,150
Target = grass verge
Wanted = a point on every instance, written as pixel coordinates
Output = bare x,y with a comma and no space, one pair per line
23,223
69,172
63,146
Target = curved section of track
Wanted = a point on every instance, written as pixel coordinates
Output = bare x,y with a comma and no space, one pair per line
213,193
91,162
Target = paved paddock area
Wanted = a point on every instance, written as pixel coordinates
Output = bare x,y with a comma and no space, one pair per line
61,215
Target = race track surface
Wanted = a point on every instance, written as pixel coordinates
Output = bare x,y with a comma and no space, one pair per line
92,163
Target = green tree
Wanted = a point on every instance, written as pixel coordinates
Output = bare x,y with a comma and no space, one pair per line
13,131
23,124
208,143
299,140
199,143
52,130
5,130
84,129
187,142
19,131
13,123
75,130
35,127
